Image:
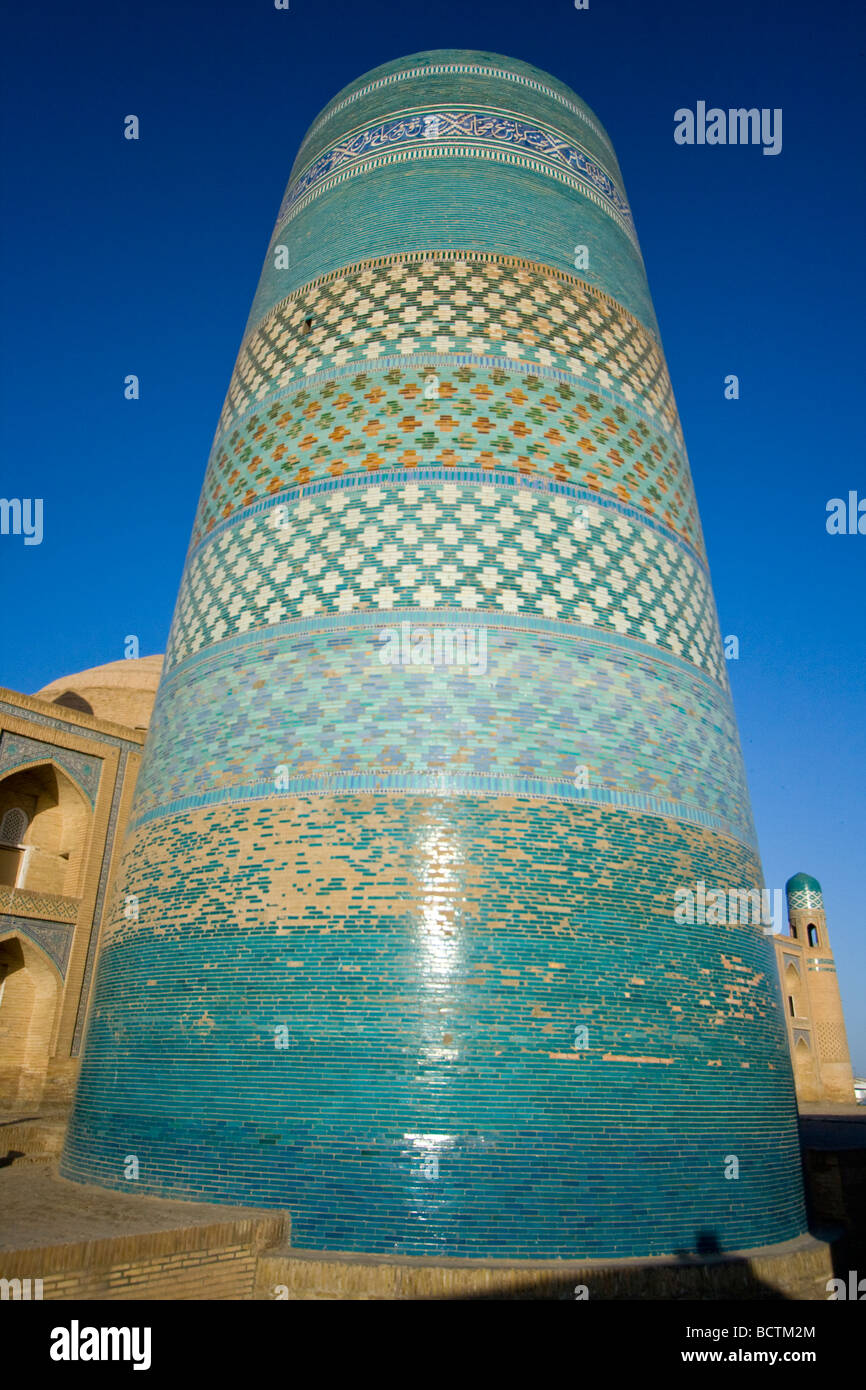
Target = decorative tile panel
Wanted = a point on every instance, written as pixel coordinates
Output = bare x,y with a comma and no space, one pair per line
489,307
18,751
476,548
442,132
520,721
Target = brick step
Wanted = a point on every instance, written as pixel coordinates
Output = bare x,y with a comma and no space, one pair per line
797,1269
200,1260
31,1141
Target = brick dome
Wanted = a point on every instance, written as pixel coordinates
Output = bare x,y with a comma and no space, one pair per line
120,691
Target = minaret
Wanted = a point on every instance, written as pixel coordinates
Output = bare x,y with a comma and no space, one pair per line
813,1005
443,728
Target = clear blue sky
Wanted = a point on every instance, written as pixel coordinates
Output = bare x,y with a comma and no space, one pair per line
143,257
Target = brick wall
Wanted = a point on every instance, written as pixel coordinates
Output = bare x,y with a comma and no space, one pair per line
209,1262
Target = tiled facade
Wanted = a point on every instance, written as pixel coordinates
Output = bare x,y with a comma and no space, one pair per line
49,937
497,550
376,905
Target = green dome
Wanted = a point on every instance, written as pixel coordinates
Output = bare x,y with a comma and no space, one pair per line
804,891
801,882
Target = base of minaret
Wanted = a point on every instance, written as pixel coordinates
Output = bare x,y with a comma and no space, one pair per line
76,1241
794,1269
84,1243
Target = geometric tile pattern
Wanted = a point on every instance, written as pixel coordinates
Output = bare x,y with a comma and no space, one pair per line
832,1041
805,898
474,548
486,306
484,419
53,906
443,133
539,707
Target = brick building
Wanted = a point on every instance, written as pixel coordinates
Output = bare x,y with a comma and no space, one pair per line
813,1006
69,756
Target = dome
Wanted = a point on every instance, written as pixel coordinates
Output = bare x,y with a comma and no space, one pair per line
804,891
122,692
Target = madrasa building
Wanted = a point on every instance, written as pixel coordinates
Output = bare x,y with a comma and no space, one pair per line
394,926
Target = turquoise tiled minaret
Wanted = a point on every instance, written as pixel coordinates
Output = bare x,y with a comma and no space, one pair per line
395,944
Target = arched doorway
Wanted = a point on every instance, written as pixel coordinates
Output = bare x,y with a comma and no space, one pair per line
30,987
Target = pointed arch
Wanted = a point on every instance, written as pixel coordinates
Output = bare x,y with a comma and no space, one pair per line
792,989
50,856
30,995
32,763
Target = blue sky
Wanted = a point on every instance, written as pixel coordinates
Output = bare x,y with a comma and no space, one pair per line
143,257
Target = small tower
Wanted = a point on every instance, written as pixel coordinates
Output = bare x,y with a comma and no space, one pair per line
813,1005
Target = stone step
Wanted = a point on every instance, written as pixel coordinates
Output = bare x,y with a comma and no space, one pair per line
797,1269
87,1243
32,1140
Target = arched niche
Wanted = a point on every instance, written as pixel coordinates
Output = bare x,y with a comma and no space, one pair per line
792,990
55,815
30,991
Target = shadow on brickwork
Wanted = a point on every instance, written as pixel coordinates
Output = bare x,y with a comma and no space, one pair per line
737,1277
833,1150
706,1274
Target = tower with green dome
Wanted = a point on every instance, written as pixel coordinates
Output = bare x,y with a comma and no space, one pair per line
804,892
813,1005
404,957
